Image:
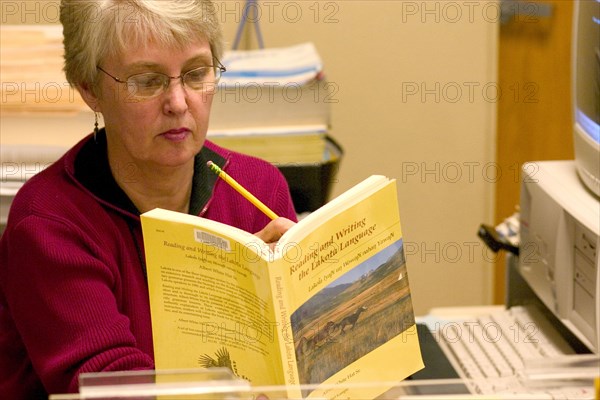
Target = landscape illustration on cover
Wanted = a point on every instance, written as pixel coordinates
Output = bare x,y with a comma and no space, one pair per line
355,314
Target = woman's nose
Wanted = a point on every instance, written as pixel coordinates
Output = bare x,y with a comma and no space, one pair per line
176,100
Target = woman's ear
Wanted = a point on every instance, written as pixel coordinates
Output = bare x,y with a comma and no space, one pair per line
89,96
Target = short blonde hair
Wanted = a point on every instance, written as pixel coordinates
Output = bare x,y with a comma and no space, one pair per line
95,29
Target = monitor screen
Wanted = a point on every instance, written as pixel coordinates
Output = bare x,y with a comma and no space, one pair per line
586,91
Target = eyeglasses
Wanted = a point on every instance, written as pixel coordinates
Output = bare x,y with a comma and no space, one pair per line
150,84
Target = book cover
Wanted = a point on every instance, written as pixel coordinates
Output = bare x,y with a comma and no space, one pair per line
329,305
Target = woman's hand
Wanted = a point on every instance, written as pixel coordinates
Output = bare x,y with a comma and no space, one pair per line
271,233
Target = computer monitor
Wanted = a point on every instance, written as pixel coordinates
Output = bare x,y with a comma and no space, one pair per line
586,91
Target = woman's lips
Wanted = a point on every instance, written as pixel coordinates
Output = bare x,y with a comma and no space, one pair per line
176,134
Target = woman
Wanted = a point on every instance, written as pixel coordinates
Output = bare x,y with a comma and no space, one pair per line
73,293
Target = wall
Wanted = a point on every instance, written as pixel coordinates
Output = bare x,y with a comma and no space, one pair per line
416,93
416,101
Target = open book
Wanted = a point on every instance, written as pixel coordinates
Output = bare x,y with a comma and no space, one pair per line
329,305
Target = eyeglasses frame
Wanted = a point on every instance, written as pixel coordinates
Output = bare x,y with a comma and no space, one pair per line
219,66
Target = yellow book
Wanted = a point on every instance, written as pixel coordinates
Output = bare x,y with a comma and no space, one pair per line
329,306
282,148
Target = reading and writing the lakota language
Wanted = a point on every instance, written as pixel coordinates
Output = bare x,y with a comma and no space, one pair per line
329,307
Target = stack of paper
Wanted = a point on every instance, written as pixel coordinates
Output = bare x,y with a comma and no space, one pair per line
31,65
291,147
296,64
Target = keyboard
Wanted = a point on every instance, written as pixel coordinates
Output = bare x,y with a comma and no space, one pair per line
493,351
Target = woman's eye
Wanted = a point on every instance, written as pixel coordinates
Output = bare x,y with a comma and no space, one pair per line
197,74
149,81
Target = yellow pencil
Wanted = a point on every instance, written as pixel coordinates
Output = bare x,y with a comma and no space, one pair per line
240,189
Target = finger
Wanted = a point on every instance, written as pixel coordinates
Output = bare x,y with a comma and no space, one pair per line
274,230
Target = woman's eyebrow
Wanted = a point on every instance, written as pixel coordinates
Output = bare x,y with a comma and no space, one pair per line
204,59
141,66
146,66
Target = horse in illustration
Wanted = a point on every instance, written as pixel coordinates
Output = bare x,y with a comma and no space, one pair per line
307,345
350,320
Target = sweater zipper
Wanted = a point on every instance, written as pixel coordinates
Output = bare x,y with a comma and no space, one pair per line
138,249
205,208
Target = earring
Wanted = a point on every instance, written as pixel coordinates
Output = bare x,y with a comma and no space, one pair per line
95,126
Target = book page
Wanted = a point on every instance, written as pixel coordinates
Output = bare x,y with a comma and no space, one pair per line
348,297
210,297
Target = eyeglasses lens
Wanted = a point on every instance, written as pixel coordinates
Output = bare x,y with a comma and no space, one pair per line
153,83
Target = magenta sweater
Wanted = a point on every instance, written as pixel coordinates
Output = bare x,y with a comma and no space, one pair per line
73,292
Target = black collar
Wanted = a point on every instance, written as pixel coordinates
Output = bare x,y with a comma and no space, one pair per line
93,171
